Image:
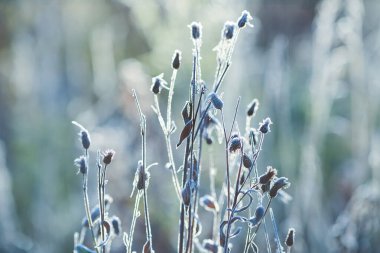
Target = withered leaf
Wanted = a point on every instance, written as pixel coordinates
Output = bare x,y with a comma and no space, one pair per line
185,132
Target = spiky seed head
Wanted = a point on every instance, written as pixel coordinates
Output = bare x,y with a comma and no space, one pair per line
244,19
280,183
108,156
252,107
289,241
81,163
268,175
176,60
264,126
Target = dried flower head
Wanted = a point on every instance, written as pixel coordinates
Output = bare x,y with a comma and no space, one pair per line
252,107
141,177
81,163
244,19
289,241
264,126
228,30
108,156
209,203
196,30
158,83
176,60
235,143
268,176
215,100
280,183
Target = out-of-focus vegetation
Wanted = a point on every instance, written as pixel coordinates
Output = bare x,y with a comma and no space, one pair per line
312,64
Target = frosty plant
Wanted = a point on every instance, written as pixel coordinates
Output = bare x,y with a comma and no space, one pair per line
244,198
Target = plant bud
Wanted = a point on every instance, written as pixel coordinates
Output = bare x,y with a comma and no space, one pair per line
81,163
158,83
280,183
228,30
252,108
196,30
244,19
116,225
235,144
215,100
176,60
289,241
108,156
264,126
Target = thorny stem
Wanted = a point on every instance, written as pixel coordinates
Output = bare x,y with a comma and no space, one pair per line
143,151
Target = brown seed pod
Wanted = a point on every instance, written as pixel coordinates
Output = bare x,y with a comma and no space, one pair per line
279,184
247,161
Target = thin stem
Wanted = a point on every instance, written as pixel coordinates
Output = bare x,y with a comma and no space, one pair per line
133,223
170,98
87,209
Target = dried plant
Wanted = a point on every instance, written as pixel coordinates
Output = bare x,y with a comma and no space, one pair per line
244,190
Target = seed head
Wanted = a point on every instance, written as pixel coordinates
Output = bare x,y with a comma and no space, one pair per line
259,214
158,83
81,163
280,183
196,30
216,100
108,156
141,177
176,60
264,126
289,241
228,30
244,19
252,108
268,176
235,144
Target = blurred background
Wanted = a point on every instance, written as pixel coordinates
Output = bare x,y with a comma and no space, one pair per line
313,64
